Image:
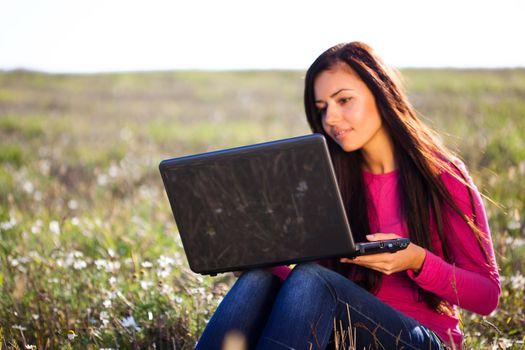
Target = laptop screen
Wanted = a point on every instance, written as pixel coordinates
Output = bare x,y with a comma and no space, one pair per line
258,205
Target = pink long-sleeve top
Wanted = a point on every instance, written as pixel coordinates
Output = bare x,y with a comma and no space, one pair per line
469,281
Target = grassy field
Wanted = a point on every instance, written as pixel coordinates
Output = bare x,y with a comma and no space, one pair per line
90,256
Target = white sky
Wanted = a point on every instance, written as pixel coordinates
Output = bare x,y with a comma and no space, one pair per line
120,35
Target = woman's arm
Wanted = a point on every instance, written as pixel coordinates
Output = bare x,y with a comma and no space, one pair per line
472,279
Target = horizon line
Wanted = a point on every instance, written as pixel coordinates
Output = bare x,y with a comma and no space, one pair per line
243,69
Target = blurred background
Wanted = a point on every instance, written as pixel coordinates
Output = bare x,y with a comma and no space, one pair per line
94,94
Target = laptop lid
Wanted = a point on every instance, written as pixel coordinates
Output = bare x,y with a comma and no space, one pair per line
260,205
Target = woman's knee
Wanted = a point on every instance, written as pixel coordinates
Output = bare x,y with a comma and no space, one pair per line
258,278
309,278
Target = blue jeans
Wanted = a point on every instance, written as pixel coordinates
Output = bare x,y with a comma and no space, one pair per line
300,313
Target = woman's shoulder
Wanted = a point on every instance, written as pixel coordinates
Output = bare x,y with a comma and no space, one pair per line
451,168
456,178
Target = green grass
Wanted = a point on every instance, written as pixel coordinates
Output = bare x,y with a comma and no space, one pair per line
87,239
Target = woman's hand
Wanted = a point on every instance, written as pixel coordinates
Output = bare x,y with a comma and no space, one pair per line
410,258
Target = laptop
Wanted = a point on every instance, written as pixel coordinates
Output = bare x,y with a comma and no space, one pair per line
261,205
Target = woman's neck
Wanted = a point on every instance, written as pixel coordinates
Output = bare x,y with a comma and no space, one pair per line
379,154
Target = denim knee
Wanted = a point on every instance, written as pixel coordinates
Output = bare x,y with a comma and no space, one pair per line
256,278
309,276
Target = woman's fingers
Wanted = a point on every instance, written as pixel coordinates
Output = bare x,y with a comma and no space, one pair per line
383,262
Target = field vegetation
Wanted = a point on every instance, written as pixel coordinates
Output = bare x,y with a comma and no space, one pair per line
90,256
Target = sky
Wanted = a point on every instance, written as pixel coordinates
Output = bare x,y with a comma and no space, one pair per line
79,36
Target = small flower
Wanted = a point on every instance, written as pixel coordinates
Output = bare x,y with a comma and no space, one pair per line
104,318
113,171
8,224
165,261
79,264
129,322
102,180
518,281
146,284
107,303
36,228
72,204
71,335
54,227
147,264
28,187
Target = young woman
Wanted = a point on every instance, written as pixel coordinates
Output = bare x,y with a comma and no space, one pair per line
399,182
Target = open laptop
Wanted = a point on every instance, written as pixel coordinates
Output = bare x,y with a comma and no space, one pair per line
261,205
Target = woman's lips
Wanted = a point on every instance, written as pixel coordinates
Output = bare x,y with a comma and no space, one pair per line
340,133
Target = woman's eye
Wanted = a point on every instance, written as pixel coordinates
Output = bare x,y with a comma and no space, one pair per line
344,100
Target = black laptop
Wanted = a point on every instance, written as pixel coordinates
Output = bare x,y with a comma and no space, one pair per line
261,205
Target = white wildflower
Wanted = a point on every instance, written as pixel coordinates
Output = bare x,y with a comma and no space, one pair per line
72,204
54,227
146,264
514,224
163,273
112,280
129,322
113,171
71,335
146,284
165,261
37,227
200,290
34,255
104,318
14,262
75,221
518,281
102,180
79,264
166,289
28,187
107,303
150,315
8,224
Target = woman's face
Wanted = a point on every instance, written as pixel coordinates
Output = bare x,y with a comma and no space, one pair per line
348,109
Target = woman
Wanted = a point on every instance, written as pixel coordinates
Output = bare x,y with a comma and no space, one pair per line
406,185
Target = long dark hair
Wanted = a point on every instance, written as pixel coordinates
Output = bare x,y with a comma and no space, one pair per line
419,156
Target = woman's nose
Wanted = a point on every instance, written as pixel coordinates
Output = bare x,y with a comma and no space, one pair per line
331,114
